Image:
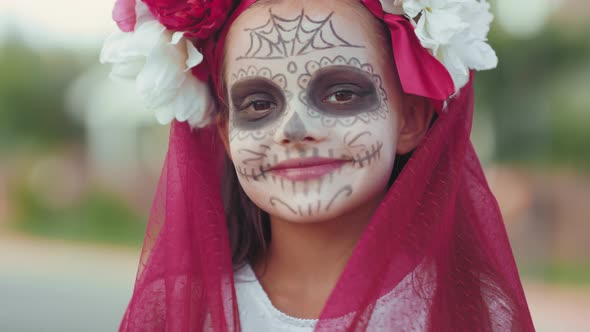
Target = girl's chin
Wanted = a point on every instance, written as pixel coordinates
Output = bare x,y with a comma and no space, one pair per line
312,211
298,219
316,201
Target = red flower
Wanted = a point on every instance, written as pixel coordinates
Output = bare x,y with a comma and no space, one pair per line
198,18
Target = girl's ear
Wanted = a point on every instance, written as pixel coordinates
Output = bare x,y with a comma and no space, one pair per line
223,128
414,120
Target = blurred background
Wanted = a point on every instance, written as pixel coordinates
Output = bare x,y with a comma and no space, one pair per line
79,160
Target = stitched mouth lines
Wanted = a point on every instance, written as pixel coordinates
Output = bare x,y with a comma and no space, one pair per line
256,156
306,210
351,143
360,160
252,173
263,172
372,154
312,208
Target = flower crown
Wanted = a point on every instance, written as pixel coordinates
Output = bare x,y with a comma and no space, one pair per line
156,46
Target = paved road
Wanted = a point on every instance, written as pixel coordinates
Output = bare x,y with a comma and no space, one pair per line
559,308
47,286
32,304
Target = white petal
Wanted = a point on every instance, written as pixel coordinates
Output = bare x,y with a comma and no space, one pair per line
481,56
201,120
447,4
203,116
425,40
414,7
479,17
194,56
127,70
442,25
160,78
142,13
147,36
164,115
455,66
198,121
176,37
392,7
126,62
116,48
189,100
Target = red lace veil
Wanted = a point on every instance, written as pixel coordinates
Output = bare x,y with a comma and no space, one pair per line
436,247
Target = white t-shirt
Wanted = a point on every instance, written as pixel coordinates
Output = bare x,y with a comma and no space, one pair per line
257,312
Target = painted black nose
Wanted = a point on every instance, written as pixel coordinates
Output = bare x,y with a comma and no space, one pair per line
295,130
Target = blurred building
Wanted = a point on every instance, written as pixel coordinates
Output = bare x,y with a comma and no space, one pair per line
546,214
124,144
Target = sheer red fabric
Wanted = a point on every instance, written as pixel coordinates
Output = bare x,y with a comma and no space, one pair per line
434,257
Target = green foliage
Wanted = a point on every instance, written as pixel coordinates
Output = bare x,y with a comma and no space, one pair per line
539,109
97,217
32,89
535,97
559,273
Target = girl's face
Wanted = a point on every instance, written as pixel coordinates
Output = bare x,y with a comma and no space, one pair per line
312,110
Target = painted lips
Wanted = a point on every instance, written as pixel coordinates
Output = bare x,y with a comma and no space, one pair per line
307,168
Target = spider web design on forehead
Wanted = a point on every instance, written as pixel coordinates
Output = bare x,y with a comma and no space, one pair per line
281,38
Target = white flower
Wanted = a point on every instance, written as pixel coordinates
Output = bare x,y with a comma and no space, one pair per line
393,6
159,61
455,32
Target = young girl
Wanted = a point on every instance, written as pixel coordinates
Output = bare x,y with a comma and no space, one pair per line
325,179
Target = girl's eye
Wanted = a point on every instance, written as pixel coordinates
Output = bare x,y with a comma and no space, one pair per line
341,97
255,109
261,105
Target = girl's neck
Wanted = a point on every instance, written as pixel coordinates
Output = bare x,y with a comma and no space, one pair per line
305,260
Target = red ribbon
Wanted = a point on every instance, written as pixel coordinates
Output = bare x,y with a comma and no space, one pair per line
419,71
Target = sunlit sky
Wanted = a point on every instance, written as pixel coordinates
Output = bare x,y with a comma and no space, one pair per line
75,23
85,23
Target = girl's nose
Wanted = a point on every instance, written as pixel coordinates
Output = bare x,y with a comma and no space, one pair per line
298,129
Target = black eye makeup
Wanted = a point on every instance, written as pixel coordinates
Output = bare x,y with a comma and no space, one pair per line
342,91
256,102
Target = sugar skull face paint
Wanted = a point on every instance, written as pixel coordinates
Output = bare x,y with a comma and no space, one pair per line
312,132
